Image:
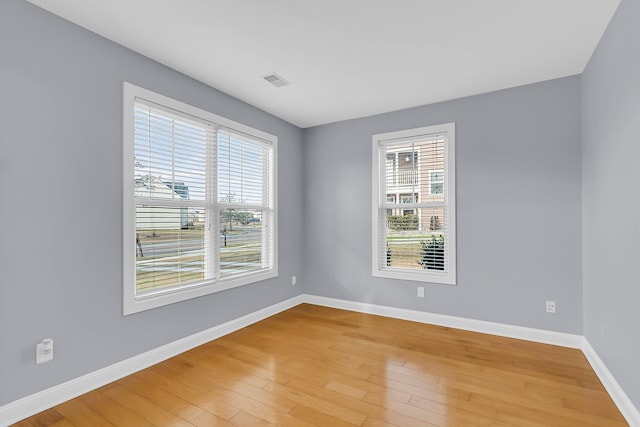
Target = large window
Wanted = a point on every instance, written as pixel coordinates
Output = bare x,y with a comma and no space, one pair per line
414,230
199,202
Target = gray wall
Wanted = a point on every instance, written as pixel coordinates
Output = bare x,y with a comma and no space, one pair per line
61,209
611,208
518,195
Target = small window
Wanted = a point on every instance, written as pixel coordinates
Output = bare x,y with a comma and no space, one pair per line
414,204
199,202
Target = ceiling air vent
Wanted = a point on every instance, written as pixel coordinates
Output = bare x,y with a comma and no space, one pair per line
276,80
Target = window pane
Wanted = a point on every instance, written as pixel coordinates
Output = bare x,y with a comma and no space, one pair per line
241,169
170,156
241,241
415,167
415,240
169,246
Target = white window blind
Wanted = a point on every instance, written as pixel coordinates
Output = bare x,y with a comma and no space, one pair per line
171,198
199,202
245,189
414,205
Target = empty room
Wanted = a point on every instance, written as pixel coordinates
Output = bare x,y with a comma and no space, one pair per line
339,213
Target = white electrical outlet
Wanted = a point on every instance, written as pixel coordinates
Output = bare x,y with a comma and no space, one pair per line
293,280
420,291
551,306
44,351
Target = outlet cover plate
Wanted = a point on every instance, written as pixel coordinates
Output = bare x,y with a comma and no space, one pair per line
551,306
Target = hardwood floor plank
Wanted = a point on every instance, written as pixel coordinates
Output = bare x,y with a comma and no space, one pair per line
516,408
394,412
245,404
111,410
207,419
242,419
467,407
145,409
76,413
319,418
63,423
43,419
374,422
193,396
157,396
318,366
339,387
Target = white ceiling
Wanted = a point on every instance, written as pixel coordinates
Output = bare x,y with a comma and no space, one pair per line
352,58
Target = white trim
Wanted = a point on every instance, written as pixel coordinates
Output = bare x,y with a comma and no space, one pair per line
183,293
45,399
500,329
32,404
134,91
620,398
128,205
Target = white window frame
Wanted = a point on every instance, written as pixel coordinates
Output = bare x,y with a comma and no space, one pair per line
133,303
379,265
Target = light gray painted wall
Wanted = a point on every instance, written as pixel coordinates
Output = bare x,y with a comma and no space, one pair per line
611,208
61,209
518,195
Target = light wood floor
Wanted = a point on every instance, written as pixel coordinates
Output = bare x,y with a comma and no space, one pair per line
316,366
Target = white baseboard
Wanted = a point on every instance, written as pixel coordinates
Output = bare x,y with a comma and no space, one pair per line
500,329
45,399
620,398
30,405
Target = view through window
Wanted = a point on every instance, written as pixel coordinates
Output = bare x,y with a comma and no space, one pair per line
414,204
